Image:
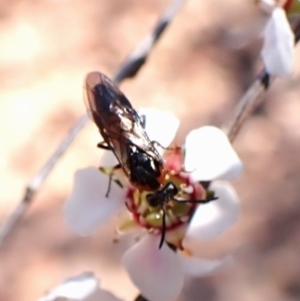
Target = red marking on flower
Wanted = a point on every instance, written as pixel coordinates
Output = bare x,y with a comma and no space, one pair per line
177,213
174,159
141,211
287,5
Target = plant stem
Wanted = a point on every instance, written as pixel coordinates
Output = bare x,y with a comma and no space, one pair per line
130,68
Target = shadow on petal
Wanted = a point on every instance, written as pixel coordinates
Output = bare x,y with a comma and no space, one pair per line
196,267
210,156
108,159
102,295
212,219
156,272
87,208
278,48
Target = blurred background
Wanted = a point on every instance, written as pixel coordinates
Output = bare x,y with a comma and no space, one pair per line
200,68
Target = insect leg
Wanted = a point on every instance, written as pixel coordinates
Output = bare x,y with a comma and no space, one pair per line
103,145
156,143
118,166
163,229
143,120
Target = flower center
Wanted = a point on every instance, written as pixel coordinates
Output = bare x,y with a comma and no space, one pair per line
167,210
173,201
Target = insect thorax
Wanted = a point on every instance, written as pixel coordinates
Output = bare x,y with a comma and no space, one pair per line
145,170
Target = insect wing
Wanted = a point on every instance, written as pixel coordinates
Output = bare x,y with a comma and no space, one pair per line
117,121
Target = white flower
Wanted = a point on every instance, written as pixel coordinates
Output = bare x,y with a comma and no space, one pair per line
278,47
159,273
84,287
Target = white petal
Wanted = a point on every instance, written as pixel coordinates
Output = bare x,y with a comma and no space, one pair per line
196,267
212,219
278,48
77,288
82,288
101,295
161,126
209,155
108,159
267,5
156,272
87,208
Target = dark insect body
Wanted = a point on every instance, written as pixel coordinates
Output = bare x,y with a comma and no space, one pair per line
123,133
163,197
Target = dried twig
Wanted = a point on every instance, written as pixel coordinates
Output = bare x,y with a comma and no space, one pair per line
253,97
39,178
247,104
139,56
129,69
249,101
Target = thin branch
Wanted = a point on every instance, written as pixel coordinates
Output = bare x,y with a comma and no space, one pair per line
247,104
139,56
129,69
39,178
252,98
245,107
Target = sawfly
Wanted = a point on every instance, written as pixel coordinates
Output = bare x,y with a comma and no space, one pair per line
124,134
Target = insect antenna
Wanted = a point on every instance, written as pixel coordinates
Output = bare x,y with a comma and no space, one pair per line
156,143
204,201
164,226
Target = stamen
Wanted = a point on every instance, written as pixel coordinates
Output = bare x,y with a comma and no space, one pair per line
173,205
